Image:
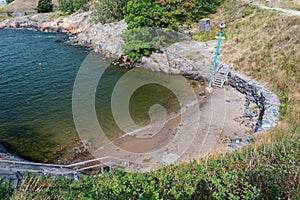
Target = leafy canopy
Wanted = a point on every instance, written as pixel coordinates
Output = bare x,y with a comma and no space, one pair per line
166,14
107,11
45,6
70,6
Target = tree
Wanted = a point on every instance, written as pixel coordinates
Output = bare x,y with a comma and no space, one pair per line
70,6
45,6
110,10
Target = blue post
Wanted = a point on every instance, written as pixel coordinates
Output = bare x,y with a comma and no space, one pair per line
215,59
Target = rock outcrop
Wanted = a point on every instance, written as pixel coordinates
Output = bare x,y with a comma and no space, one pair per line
100,37
190,58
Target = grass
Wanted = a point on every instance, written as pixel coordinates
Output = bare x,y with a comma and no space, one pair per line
57,15
286,4
2,18
262,44
3,8
22,6
259,171
265,45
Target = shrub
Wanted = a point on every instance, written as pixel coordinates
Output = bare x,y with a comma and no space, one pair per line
70,6
143,41
45,6
110,10
168,13
148,14
5,189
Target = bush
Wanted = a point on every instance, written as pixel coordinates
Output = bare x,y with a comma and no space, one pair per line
108,11
143,41
148,14
45,6
5,189
168,13
165,14
70,6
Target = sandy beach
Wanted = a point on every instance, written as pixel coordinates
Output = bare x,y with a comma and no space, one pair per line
218,124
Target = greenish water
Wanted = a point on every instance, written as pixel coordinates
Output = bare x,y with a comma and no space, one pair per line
36,118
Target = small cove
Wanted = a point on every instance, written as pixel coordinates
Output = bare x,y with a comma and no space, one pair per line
37,74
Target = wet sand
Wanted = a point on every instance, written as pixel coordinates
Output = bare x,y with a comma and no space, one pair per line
179,141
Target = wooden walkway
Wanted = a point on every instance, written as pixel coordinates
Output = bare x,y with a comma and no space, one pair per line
16,170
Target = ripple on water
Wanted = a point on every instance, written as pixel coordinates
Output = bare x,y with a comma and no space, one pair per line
36,101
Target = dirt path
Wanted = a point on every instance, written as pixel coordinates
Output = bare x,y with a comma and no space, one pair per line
287,11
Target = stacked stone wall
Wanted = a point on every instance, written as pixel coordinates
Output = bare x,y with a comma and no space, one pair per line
268,102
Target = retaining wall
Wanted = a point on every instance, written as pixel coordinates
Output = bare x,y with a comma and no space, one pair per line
268,102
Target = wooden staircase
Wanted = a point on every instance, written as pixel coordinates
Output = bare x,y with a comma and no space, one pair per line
100,165
221,75
15,170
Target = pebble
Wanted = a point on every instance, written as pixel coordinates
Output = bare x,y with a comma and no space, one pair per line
267,101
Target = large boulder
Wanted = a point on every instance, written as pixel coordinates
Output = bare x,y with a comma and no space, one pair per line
77,22
187,57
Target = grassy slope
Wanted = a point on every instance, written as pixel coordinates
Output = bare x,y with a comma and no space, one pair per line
265,45
22,6
268,168
25,5
286,4
2,10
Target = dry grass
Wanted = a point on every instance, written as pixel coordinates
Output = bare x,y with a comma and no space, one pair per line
3,8
25,5
22,6
32,188
286,4
264,45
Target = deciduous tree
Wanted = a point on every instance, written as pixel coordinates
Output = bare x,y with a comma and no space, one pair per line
45,6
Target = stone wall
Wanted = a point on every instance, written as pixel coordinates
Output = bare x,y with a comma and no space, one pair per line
267,101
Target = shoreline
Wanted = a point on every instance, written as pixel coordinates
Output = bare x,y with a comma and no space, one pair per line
107,39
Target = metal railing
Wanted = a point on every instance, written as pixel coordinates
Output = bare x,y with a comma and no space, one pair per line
110,161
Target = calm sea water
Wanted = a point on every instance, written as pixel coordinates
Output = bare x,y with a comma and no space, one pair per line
36,100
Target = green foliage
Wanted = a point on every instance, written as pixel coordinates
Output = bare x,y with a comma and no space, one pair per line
5,189
266,172
108,11
70,6
9,1
168,13
259,171
139,43
143,41
45,6
148,14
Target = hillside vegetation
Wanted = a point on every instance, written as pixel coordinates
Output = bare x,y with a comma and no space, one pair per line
22,6
265,45
18,6
286,4
260,43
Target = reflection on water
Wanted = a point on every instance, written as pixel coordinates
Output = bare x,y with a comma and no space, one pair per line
37,73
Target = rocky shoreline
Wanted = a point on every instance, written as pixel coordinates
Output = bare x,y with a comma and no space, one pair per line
4,155
98,37
189,58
